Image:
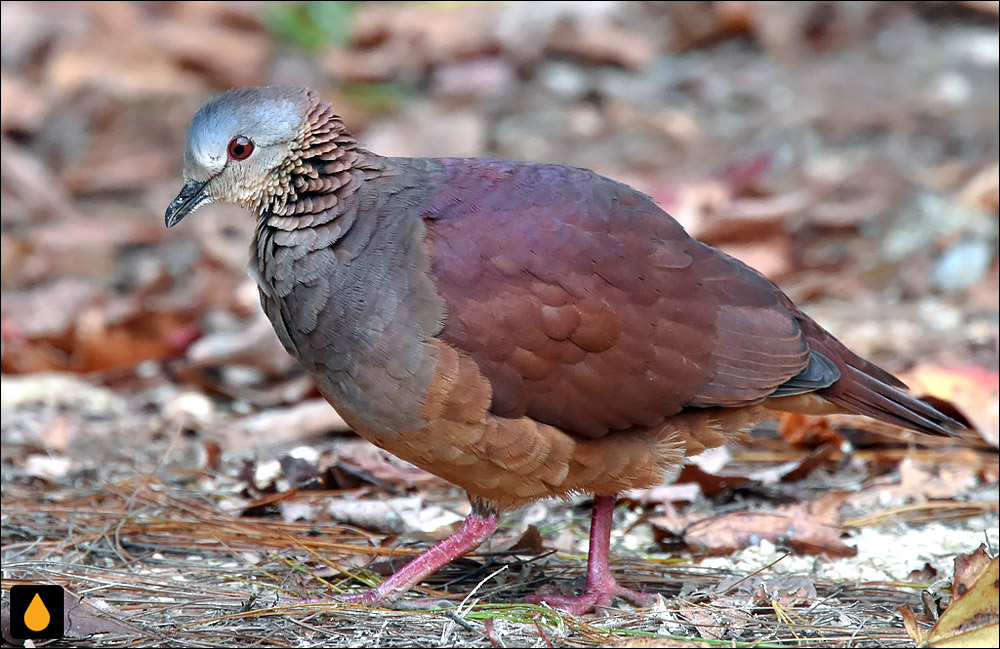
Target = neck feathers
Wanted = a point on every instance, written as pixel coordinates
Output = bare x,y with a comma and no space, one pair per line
325,167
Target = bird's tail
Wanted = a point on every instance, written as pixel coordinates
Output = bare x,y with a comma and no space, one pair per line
866,389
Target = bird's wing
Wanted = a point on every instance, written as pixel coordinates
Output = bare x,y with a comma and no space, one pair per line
588,308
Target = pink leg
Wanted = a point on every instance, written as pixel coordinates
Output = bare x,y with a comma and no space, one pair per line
469,536
601,586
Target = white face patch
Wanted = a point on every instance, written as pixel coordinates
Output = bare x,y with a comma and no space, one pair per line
209,157
205,154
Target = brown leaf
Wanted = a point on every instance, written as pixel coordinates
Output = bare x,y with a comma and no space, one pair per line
379,467
709,483
974,391
772,256
715,624
84,620
912,626
81,619
712,473
968,568
414,36
808,431
810,462
972,619
734,531
143,335
228,57
35,194
924,575
919,482
530,541
288,425
790,591
603,43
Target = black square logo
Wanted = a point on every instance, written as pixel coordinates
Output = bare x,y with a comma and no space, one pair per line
36,612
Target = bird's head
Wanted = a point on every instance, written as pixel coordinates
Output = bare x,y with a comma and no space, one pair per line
240,147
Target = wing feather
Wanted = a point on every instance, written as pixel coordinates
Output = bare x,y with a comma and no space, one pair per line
589,308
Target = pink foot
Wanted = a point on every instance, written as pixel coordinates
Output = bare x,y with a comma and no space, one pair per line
601,586
475,529
600,598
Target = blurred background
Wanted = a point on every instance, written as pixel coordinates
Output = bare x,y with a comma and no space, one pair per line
847,150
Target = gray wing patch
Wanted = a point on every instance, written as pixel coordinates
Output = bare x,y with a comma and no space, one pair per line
818,374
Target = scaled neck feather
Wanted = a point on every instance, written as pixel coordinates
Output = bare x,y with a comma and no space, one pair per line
326,166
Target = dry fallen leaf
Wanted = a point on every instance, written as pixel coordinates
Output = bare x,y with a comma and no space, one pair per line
972,619
87,618
974,391
919,482
82,618
808,431
736,530
710,483
785,591
711,622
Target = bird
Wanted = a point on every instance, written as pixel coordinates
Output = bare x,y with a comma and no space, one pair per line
522,330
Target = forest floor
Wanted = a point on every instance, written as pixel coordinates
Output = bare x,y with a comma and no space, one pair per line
167,463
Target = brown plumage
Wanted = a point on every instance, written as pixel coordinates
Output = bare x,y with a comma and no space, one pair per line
521,330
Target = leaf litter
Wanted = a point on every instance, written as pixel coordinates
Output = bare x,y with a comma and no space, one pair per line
165,460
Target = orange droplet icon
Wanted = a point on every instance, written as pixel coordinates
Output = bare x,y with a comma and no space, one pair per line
37,616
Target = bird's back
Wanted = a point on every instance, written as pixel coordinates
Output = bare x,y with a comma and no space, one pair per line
589,308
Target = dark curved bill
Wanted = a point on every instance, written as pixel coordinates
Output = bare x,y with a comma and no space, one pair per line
190,197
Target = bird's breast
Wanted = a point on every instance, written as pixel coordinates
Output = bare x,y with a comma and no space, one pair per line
357,309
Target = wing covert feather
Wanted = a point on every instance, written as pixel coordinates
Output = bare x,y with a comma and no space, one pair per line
588,308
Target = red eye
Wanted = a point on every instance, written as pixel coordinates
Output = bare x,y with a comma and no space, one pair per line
240,148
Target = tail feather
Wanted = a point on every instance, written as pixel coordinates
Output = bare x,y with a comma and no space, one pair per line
867,389
867,395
